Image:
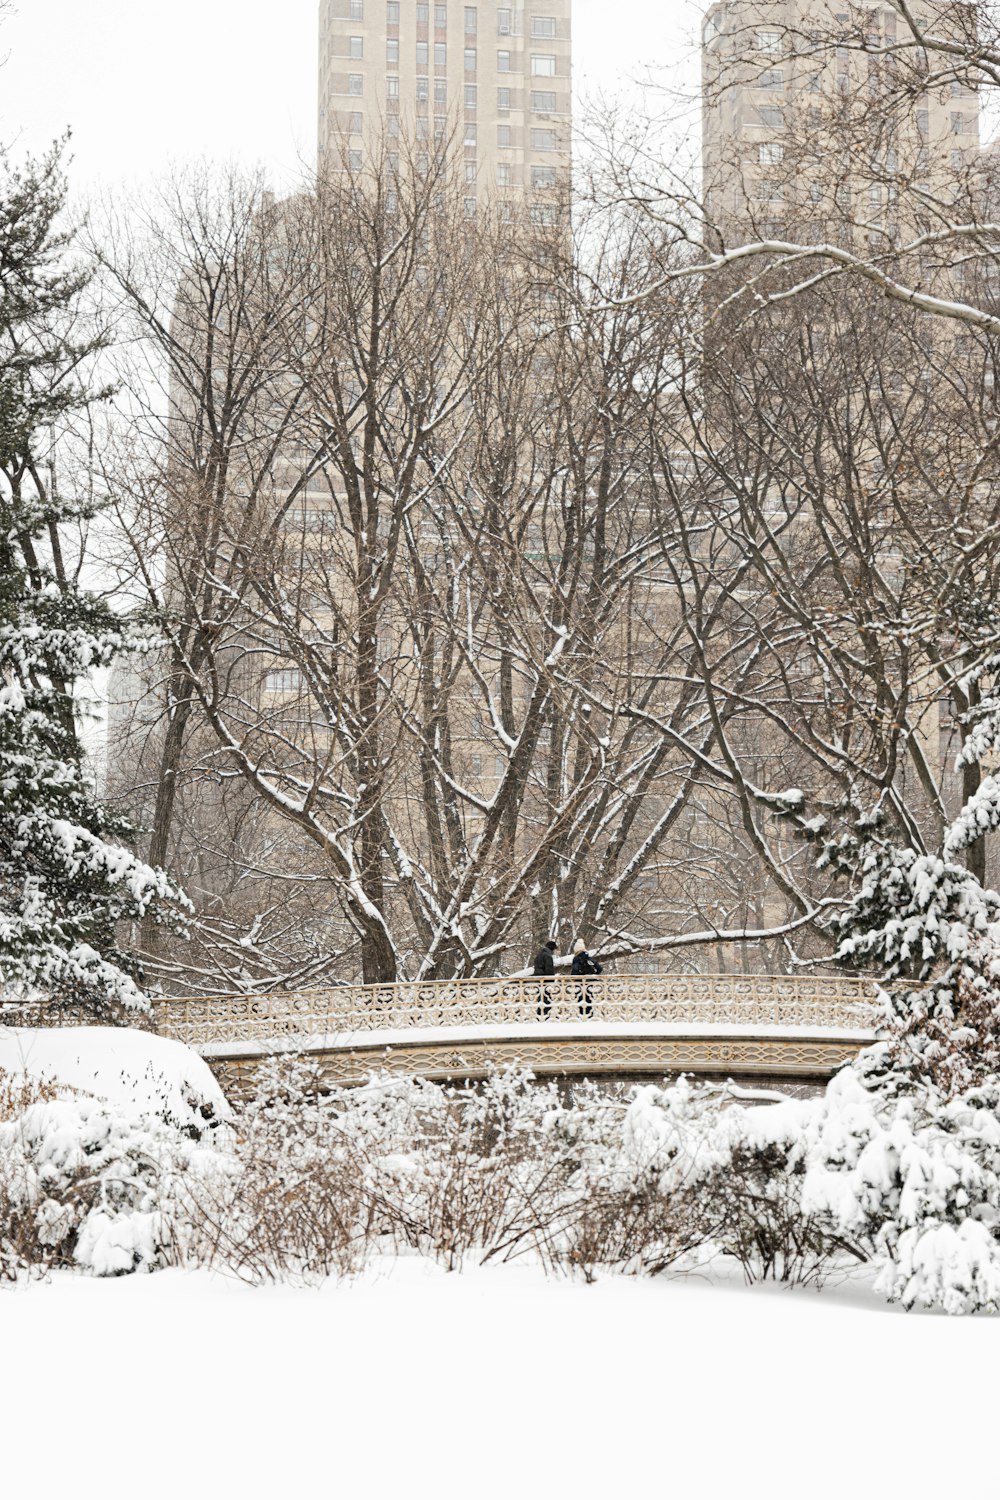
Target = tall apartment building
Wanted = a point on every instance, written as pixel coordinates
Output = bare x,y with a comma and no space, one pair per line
793,139
489,80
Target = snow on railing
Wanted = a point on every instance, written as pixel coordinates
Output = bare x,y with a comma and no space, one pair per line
753,1002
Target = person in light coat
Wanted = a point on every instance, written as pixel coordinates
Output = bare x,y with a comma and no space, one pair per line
584,964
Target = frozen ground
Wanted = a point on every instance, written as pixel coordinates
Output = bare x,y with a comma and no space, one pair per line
411,1382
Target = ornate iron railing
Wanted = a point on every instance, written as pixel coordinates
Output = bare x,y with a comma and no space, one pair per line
749,1003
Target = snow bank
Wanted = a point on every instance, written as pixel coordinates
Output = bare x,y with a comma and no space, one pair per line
141,1073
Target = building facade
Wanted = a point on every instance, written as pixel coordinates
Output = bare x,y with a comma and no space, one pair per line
488,84
812,118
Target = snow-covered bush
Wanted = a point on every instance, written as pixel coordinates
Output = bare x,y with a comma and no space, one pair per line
88,1183
286,1202
915,1176
730,1179
98,1128
401,1163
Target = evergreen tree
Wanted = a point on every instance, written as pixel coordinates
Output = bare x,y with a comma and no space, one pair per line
930,917
67,877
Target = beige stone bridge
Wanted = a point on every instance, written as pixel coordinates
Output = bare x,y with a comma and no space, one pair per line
760,1026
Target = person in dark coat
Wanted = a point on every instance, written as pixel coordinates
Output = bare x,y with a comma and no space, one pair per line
584,964
545,968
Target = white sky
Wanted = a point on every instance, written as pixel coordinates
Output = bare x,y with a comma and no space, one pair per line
147,82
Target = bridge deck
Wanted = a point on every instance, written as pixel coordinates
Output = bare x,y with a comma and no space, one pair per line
640,1024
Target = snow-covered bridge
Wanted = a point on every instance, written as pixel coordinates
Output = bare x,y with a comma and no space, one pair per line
758,1025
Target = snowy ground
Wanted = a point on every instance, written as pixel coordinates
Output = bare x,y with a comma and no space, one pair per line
496,1382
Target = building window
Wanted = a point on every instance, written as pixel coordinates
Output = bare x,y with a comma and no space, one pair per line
392,87
422,127
769,41
470,96
543,65
310,517
773,78
355,122
440,54
470,59
355,83
542,214
392,125
957,123
423,14
357,10
476,765
470,171
503,22
440,91
506,213
471,19
543,102
503,137
470,134
356,47
503,62
391,201
503,100
770,153
470,207
503,174
543,26
392,13
543,140
423,90
440,15
392,52
773,116
354,160
423,54
440,128
282,680
543,177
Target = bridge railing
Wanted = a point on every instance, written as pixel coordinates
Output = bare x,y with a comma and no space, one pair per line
751,1003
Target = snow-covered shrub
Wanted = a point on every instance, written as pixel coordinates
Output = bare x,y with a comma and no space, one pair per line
915,1175
287,1200
471,1169
495,1170
730,1179
630,1204
88,1183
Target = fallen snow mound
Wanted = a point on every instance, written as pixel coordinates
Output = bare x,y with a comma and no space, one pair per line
142,1073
